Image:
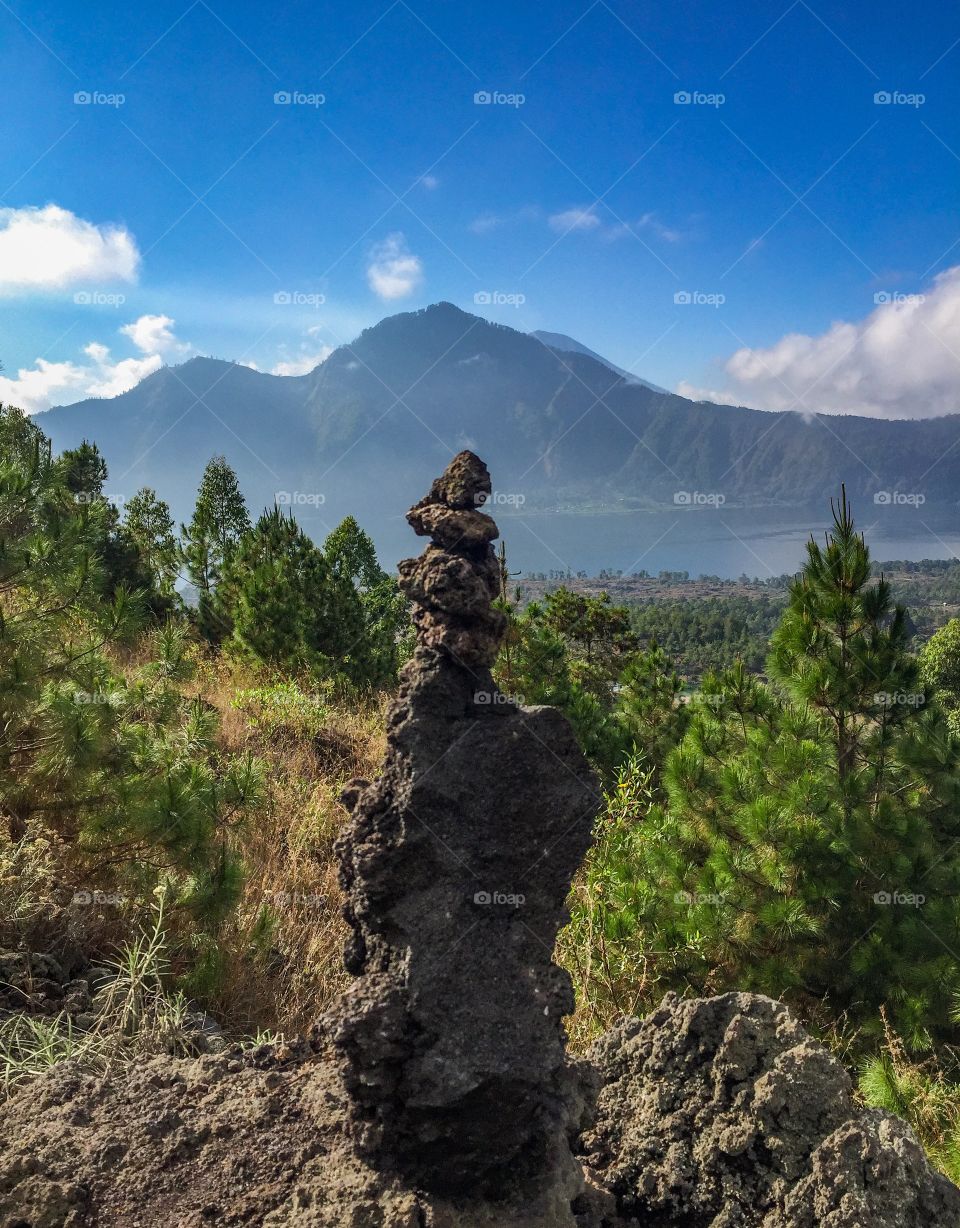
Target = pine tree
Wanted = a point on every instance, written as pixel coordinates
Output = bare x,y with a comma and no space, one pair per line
580,654
808,847
537,665
650,708
278,599
219,521
598,634
84,471
126,562
149,524
372,616
842,648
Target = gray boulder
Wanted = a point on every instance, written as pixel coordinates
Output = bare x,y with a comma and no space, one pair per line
723,1113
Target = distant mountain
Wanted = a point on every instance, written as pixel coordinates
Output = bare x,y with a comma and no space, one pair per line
567,345
366,431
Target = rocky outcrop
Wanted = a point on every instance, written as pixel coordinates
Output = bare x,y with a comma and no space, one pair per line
723,1113
456,868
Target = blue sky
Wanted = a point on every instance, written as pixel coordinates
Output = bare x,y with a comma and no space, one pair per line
807,222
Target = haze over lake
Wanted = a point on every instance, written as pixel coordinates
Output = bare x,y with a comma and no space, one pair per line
726,541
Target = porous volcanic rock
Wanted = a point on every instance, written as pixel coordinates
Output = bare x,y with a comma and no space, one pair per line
723,1113
456,868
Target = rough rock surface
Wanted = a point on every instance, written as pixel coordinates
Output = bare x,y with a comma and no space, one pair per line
456,869
723,1113
175,1142
711,1112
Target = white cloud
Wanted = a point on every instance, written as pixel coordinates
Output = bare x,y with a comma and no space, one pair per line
110,378
901,361
574,219
51,248
58,383
393,272
586,219
43,385
153,335
430,182
304,363
650,221
487,222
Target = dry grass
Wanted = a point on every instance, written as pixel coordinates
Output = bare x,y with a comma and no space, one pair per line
280,981
135,1016
279,955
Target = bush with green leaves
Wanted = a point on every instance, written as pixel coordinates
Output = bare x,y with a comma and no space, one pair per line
940,670
282,708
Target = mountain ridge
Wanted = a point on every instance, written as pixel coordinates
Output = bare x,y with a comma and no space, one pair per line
561,428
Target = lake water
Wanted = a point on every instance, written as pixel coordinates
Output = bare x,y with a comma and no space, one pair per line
726,542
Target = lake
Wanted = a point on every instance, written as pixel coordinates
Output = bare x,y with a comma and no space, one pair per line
726,542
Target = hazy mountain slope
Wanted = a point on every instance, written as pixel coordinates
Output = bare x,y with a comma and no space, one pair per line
366,429
568,345
163,431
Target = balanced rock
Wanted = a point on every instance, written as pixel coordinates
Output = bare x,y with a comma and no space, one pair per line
456,868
